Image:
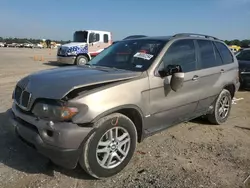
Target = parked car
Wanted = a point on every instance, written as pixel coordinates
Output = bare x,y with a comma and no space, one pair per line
233,50
96,113
1,44
38,46
17,45
13,45
244,67
21,45
28,45
6,44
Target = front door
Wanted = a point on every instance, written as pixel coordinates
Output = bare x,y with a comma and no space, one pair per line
94,43
168,107
98,42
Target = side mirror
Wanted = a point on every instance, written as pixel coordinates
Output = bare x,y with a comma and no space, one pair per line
169,70
177,80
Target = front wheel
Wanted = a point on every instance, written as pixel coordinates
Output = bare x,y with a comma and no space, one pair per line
110,148
81,60
222,108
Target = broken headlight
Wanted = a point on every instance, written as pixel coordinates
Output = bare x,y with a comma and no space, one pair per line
54,111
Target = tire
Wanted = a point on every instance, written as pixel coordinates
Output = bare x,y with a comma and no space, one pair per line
91,162
215,117
81,60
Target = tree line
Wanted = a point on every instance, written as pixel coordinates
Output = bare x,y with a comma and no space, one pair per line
25,40
241,43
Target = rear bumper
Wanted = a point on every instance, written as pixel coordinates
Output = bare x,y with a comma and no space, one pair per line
66,60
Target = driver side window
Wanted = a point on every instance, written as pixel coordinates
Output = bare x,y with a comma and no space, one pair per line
94,37
181,53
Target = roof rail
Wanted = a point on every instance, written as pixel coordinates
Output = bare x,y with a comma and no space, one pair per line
193,34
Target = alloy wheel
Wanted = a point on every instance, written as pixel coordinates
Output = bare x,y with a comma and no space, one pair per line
113,147
224,106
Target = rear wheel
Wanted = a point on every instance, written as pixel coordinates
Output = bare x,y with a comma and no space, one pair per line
110,148
81,60
222,108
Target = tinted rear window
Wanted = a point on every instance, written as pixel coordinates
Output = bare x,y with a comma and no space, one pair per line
224,52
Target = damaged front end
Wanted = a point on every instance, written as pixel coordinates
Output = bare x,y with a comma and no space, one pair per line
66,94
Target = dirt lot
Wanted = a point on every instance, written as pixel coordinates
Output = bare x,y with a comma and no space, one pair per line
192,154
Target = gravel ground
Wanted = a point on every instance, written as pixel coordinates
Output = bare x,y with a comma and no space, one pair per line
192,154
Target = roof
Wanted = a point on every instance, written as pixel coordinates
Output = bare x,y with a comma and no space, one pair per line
179,35
94,31
163,38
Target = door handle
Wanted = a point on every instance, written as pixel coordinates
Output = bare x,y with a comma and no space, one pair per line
195,78
222,71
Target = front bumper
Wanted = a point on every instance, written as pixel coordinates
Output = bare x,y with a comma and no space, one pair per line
62,145
66,60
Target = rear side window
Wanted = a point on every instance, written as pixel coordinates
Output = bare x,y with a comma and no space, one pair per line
225,53
208,55
217,56
181,53
105,38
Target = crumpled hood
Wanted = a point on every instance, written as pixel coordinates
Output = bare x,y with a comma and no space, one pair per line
71,44
58,82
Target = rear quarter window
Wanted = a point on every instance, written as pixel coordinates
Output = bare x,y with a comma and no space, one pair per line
226,55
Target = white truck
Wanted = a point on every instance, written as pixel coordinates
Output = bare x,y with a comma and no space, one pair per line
86,45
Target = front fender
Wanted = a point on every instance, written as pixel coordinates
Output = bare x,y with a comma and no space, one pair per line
118,108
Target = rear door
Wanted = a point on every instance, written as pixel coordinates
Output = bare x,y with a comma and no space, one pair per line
166,106
230,65
211,70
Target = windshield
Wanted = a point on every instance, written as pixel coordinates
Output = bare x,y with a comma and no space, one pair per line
80,36
244,55
135,55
